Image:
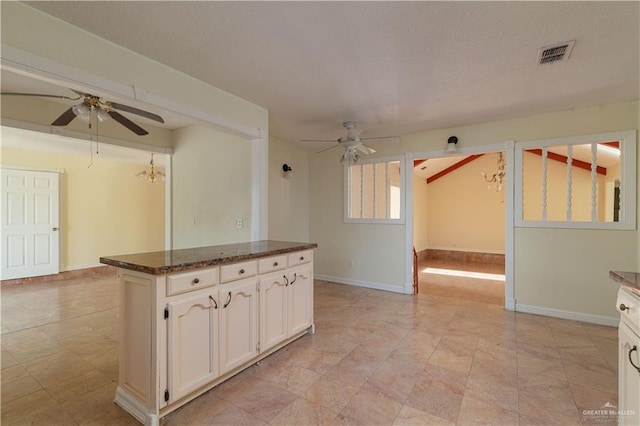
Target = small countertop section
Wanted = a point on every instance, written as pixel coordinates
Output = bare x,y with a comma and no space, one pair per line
165,262
629,280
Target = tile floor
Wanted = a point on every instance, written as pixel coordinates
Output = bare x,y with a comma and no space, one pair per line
377,358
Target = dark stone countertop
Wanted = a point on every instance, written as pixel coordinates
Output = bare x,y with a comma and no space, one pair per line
629,280
165,262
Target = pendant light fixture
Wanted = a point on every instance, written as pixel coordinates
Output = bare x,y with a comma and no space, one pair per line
152,175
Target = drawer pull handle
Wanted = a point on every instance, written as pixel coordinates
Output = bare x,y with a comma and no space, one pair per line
275,264
286,281
624,307
295,277
228,301
195,281
635,348
215,304
241,271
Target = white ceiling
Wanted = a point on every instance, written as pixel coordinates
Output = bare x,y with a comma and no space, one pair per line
393,67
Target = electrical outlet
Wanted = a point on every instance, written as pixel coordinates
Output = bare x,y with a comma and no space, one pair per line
239,223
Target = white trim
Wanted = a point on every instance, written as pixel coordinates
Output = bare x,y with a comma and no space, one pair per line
134,407
259,189
508,147
168,202
365,284
33,169
509,237
569,315
628,168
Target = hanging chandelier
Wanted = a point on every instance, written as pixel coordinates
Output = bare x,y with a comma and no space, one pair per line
497,178
152,175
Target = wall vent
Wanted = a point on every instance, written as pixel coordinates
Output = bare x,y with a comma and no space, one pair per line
555,53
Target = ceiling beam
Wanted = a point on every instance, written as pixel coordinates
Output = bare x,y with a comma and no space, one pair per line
456,166
563,159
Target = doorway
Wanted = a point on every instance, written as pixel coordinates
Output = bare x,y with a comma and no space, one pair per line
459,226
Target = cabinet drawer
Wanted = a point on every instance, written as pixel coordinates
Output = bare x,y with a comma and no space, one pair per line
631,313
271,264
299,258
238,271
193,280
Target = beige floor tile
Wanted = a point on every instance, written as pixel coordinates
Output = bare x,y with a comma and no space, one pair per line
330,394
411,417
303,412
452,354
368,408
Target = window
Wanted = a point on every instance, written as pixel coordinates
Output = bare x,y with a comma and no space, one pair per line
577,182
374,191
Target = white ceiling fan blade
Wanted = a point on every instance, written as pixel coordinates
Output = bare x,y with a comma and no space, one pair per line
327,149
318,140
365,149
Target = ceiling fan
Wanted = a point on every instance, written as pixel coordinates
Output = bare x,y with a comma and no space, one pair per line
352,143
103,109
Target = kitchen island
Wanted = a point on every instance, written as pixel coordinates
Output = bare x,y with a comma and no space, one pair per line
628,304
192,318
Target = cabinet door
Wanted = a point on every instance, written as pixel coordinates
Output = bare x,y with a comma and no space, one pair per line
193,344
273,309
300,299
238,323
628,376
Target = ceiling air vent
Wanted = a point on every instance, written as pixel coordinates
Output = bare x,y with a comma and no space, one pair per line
555,53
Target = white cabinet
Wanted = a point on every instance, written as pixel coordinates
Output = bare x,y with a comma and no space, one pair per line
628,376
628,359
183,333
273,309
286,302
300,300
238,323
192,344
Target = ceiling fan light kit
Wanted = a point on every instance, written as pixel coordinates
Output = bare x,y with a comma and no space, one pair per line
104,111
352,143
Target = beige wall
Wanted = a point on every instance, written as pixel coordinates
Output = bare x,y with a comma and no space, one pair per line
211,187
381,248
104,209
288,196
464,214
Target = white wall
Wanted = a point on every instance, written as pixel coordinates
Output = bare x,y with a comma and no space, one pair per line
381,248
288,196
211,187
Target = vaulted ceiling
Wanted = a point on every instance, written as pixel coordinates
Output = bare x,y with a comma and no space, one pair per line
393,67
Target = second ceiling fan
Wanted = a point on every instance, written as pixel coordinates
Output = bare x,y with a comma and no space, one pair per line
103,110
352,143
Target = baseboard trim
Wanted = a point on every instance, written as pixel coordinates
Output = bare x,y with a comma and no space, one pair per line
569,315
365,284
98,271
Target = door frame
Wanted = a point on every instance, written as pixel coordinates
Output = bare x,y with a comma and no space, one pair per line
508,147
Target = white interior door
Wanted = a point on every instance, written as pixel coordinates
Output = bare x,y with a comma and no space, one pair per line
29,224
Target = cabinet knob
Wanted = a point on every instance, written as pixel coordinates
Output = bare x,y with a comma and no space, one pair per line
275,264
301,257
195,281
241,271
624,307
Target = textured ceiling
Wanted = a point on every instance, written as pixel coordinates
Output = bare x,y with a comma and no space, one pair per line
394,67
